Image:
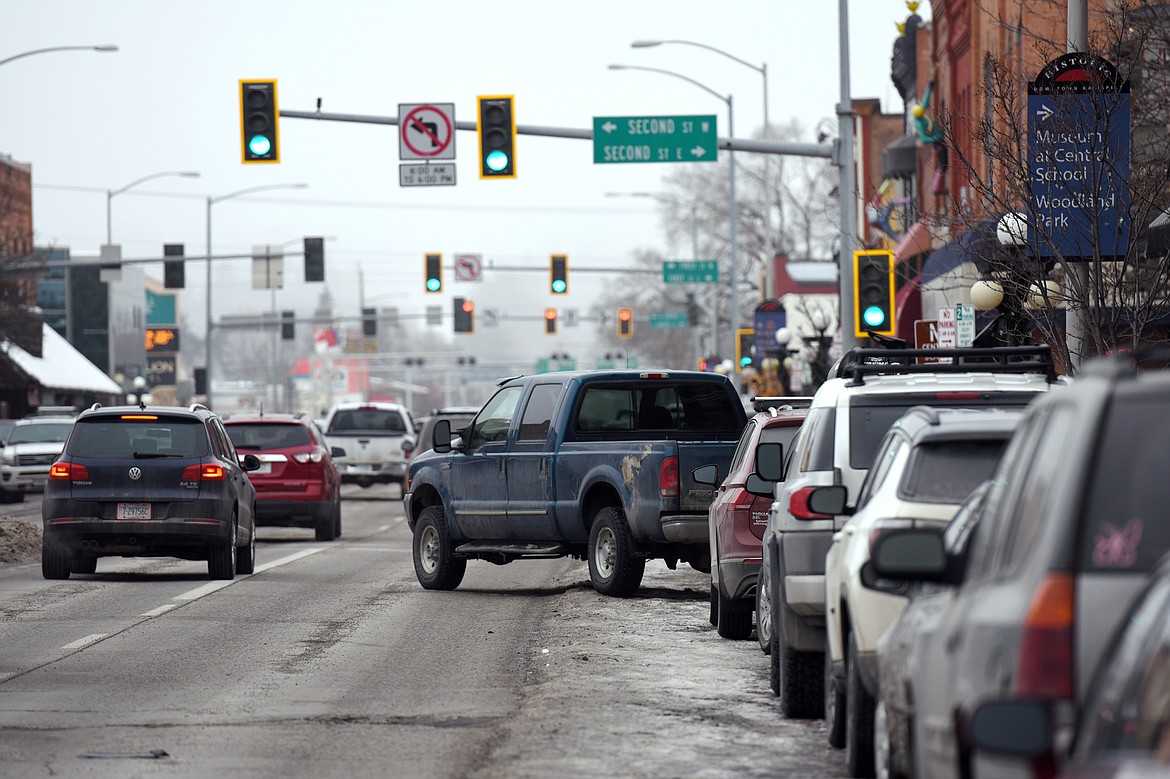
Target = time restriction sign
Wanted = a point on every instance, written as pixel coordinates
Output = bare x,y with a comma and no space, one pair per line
426,131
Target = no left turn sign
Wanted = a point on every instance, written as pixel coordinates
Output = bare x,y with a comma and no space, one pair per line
426,131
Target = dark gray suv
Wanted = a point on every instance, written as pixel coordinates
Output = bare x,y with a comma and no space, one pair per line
139,481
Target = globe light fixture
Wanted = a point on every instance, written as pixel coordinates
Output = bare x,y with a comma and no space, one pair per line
986,295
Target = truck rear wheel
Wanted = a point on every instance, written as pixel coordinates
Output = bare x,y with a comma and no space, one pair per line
435,563
614,568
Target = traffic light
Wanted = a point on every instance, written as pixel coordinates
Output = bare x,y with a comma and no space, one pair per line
288,325
744,342
558,271
873,293
173,273
370,322
497,137
434,263
314,259
258,121
625,323
464,315
550,321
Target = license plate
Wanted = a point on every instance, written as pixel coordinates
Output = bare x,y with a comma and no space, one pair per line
264,468
133,511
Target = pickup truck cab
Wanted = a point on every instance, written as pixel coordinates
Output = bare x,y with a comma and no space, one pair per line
595,465
378,439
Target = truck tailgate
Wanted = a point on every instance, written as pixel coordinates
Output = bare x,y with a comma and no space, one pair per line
692,454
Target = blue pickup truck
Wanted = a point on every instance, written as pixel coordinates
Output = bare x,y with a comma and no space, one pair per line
595,465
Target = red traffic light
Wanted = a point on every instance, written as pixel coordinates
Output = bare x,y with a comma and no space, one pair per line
550,313
468,306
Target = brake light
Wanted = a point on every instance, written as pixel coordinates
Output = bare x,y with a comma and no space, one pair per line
958,395
140,417
1046,647
304,458
668,478
67,470
798,505
204,472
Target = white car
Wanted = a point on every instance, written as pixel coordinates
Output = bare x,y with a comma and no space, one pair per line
925,467
378,439
29,450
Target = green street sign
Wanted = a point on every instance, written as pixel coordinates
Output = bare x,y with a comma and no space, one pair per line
620,139
690,271
669,319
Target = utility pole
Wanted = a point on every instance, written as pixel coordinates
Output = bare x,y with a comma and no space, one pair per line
845,187
1076,273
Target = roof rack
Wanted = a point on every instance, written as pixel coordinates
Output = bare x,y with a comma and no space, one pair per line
198,407
858,363
765,402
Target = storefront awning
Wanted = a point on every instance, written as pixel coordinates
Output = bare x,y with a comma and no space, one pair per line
916,241
60,367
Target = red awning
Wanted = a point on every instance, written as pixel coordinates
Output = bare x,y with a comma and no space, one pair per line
916,241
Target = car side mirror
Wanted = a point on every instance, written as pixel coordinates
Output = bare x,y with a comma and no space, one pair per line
250,462
770,461
758,485
830,499
441,436
915,554
336,451
706,474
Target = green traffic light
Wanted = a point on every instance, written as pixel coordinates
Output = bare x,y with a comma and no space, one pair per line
873,316
559,286
497,161
433,285
259,145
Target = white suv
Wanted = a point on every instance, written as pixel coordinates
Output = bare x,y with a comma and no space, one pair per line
850,414
927,464
29,450
378,439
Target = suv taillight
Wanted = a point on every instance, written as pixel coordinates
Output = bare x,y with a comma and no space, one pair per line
70,471
1046,647
204,472
668,478
304,458
798,505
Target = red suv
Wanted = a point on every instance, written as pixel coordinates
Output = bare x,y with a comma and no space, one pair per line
297,484
739,514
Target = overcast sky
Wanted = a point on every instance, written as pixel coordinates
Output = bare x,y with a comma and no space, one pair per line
91,122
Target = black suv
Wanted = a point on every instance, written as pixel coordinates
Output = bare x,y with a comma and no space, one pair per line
138,481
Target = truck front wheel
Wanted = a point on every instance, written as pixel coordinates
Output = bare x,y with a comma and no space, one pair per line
614,568
435,563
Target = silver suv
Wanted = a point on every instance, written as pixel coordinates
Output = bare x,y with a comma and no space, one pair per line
28,451
850,414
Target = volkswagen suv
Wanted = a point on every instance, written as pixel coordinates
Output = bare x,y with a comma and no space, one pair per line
138,481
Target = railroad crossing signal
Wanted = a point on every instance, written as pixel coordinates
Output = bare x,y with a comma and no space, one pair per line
497,137
873,293
259,116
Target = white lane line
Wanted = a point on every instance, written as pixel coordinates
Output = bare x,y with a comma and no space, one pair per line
159,610
82,642
382,529
210,587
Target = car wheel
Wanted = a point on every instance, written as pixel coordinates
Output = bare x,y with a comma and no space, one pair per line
859,706
734,618
435,563
325,527
56,560
763,613
834,706
881,743
221,560
83,565
796,676
614,568
714,616
246,554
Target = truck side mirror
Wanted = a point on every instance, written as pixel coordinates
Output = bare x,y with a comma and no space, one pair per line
441,436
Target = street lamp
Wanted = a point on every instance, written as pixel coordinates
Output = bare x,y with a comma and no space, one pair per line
99,47
762,69
734,212
210,202
818,358
111,192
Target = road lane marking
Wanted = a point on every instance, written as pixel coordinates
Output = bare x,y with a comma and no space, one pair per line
159,610
289,559
382,529
84,642
210,587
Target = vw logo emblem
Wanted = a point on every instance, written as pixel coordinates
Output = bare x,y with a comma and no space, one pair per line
136,473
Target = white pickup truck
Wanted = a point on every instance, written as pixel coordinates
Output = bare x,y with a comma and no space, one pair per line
378,439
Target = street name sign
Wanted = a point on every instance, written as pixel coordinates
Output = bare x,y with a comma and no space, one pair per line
668,319
632,139
690,271
1078,158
